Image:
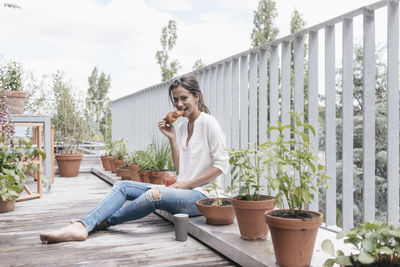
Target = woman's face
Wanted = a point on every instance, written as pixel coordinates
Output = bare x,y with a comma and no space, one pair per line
184,100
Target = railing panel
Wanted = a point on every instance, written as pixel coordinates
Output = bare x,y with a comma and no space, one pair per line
313,98
244,101
274,89
263,95
299,74
213,88
207,88
285,86
330,121
227,107
253,90
393,111
369,115
220,101
235,104
347,136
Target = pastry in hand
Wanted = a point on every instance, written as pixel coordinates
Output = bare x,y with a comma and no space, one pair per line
173,116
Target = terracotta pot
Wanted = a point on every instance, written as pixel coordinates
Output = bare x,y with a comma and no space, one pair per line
144,176
134,171
293,239
68,165
160,177
251,218
124,173
6,206
16,101
105,160
216,215
116,164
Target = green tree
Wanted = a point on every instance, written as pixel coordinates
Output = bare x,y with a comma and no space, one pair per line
11,5
198,64
168,41
97,102
264,29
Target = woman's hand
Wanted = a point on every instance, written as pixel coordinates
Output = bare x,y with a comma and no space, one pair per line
181,185
167,129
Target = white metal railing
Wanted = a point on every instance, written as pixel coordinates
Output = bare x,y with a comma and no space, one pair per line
245,99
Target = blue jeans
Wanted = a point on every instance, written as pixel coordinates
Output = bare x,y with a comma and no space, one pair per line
142,203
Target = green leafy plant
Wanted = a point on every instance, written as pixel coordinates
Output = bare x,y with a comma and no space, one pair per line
109,148
145,160
374,242
213,187
160,155
17,157
11,76
293,165
170,164
120,150
247,171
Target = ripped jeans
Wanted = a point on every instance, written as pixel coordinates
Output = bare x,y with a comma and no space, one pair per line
142,203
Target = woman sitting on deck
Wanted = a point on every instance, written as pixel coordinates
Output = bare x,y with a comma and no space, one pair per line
198,152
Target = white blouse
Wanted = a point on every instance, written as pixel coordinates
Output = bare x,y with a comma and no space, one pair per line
206,148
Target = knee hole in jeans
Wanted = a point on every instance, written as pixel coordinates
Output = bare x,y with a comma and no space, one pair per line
154,194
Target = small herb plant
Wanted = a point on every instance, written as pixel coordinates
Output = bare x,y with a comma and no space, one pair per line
160,155
294,165
120,150
11,77
109,148
144,160
213,187
247,171
375,242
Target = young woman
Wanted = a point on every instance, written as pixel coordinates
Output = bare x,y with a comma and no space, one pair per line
198,153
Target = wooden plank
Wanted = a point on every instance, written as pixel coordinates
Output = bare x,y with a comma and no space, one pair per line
148,241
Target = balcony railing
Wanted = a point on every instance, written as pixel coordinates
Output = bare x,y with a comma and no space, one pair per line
249,91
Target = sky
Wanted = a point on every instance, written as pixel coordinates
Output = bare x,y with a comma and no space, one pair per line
121,37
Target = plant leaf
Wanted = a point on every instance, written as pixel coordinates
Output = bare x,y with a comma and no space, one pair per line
365,258
328,247
345,260
329,262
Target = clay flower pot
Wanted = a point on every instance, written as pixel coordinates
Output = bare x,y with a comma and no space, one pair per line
160,177
105,160
16,101
216,215
68,164
124,173
293,238
116,164
6,206
144,176
134,171
251,218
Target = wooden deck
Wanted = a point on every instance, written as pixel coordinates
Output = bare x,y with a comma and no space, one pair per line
146,242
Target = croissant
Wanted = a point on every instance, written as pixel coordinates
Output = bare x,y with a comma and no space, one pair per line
173,116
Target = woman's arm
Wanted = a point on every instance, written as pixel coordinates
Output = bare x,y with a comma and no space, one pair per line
204,178
169,131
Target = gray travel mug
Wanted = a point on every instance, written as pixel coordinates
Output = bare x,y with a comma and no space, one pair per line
181,226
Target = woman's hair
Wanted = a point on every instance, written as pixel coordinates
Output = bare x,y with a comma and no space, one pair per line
190,83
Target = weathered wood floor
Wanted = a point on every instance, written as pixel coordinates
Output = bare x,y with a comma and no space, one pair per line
146,242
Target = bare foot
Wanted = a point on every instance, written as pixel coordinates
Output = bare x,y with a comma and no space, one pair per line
73,232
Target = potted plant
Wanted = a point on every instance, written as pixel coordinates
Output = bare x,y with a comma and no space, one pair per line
247,170
11,86
375,243
293,230
108,155
217,210
120,153
17,157
124,172
133,166
160,155
145,161
70,128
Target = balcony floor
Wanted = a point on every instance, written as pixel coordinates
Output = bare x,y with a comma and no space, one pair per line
125,244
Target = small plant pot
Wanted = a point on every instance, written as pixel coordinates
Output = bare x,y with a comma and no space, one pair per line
68,165
251,218
105,160
16,101
158,177
144,176
116,164
216,215
293,238
124,173
7,206
134,170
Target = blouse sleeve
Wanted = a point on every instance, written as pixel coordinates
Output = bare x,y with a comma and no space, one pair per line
217,145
